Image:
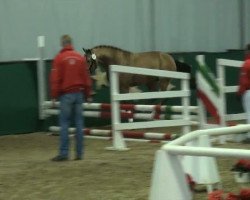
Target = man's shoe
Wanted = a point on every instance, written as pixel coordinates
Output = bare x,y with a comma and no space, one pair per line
246,141
59,158
78,158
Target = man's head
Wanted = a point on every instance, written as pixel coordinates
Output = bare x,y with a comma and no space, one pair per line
66,40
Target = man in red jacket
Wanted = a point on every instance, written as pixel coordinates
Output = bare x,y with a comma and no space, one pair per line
70,82
244,87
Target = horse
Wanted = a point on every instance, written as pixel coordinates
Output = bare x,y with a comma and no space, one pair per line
105,56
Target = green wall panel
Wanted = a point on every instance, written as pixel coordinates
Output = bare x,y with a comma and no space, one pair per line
18,102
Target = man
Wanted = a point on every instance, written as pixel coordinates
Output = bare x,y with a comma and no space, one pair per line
244,87
70,82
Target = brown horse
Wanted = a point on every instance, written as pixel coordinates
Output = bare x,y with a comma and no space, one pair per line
107,55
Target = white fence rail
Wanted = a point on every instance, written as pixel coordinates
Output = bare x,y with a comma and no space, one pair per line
116,97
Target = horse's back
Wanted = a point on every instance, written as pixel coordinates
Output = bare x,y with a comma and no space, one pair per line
153,60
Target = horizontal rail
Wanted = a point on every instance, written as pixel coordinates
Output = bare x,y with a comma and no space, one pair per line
230,89
151,95
207,151
23,60
211,132
230,63
234,117
107,106
126,134
149,72
152,124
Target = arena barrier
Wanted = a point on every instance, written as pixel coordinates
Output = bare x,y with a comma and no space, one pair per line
168,178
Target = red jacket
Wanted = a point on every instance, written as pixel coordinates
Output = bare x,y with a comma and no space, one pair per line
244,80
69,73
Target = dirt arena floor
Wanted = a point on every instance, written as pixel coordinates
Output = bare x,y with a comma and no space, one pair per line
26,172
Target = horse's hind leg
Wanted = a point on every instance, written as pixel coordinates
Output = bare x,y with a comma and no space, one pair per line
164,82
124,82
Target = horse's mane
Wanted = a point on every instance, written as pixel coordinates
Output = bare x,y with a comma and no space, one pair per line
110,47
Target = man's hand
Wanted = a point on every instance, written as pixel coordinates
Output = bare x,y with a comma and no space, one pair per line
89,99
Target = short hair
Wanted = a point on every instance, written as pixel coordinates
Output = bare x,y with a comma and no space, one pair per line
66,40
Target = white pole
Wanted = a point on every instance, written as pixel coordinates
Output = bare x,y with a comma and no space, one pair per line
118,141
41,76
185,103
222,103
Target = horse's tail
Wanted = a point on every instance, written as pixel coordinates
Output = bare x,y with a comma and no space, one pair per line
184,67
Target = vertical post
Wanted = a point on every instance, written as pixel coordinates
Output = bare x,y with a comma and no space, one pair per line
222,95
190,161
186,104
41,76
118,141
201,115
222,103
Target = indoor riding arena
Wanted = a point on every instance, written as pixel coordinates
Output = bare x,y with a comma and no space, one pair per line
163,119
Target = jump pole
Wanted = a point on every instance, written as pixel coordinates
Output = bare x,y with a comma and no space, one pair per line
128,115
133,107
149,136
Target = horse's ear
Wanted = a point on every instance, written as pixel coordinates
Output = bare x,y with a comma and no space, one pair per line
84,50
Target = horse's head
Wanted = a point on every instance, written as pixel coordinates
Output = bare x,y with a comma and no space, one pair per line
91,59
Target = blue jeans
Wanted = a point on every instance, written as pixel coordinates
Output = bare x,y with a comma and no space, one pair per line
71,108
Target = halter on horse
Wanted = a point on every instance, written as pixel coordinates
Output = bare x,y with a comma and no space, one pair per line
108,55
91,59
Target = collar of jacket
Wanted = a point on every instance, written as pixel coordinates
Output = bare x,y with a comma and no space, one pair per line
67,48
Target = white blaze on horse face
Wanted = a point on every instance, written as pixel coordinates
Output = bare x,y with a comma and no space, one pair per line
93,56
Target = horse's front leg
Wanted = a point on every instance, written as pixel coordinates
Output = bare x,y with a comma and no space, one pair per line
124,83
124,89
